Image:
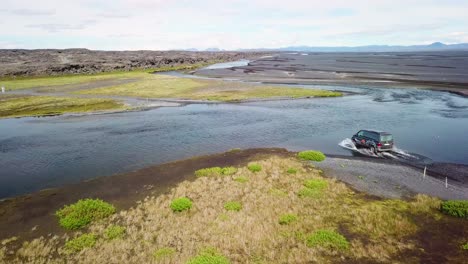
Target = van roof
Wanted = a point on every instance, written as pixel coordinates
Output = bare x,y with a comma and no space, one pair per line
377,131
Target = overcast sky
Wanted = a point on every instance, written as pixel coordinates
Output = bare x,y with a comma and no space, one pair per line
177,24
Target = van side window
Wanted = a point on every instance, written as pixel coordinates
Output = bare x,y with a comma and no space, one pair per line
360,133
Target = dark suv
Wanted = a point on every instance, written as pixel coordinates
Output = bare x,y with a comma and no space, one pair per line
374,140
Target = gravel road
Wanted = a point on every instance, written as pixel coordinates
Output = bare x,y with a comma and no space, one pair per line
389,180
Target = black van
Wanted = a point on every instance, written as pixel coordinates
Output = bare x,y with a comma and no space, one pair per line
374,140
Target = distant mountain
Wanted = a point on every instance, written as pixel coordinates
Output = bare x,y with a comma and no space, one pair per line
436,46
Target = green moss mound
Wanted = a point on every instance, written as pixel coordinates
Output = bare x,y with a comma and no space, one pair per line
316,184
79,243
241,179
209,256
181,204
254,167
83,212
327,239
114,232
287,219
457,208
311,155
292,171
215,171
233,206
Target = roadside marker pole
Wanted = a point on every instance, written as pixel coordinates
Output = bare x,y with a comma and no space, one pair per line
446,182
424,175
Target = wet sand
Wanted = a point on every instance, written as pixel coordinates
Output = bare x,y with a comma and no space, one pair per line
445,71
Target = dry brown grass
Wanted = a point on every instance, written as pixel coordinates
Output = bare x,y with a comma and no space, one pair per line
376,230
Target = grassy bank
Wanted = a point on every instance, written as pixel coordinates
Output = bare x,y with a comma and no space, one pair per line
283,211
47,105
163,86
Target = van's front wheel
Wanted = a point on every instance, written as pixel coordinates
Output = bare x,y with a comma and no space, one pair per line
372,149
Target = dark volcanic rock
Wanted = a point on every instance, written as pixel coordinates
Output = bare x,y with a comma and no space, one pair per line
76,61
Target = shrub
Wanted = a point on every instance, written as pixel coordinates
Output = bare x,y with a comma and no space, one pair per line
241,179
292,171
465,246
457,208
79,243
286,219
327,239
83,212
209,256
215,171
310,193
181,204
114,232
163,253
233,206
254,167
316,184
311,155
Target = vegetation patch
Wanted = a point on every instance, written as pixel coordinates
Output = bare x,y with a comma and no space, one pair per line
286,219
49,105
181,204
277,192
241,179
254,167
215,171
465,246
457,208
81,242
327,239
310,193
114,232
233,206
292,171
313,155
209,256
83,212
316,184
164,253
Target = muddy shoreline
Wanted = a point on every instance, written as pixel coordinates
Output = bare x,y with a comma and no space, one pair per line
30,216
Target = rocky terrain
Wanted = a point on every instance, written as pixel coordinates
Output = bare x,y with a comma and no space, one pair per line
75,61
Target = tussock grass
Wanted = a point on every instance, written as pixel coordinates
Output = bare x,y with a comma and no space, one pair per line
81,242
241,179
209,256
254,167
83,212
215,171
233,206
372,230
181,204
455,208
313,155
292,171
48,105
114,232
327,239
287,219
164,253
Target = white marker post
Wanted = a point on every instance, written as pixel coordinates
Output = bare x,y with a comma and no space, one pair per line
424,174
3,89
446,183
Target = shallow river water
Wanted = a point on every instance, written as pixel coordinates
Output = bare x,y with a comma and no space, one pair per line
37,153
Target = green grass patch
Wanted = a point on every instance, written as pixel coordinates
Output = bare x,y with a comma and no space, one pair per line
215,171
233,206
311,155
241,179
465,246
457,208
164,253
309,193
181,204
49,105
81,242
327,239
316,184
254,167
209,256
286,219
114,232
292,171
83,212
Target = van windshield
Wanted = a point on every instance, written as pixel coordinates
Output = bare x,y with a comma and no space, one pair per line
386,138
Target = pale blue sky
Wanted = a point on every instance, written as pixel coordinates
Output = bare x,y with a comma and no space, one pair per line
162,25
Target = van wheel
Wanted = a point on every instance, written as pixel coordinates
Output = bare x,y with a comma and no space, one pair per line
372,149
